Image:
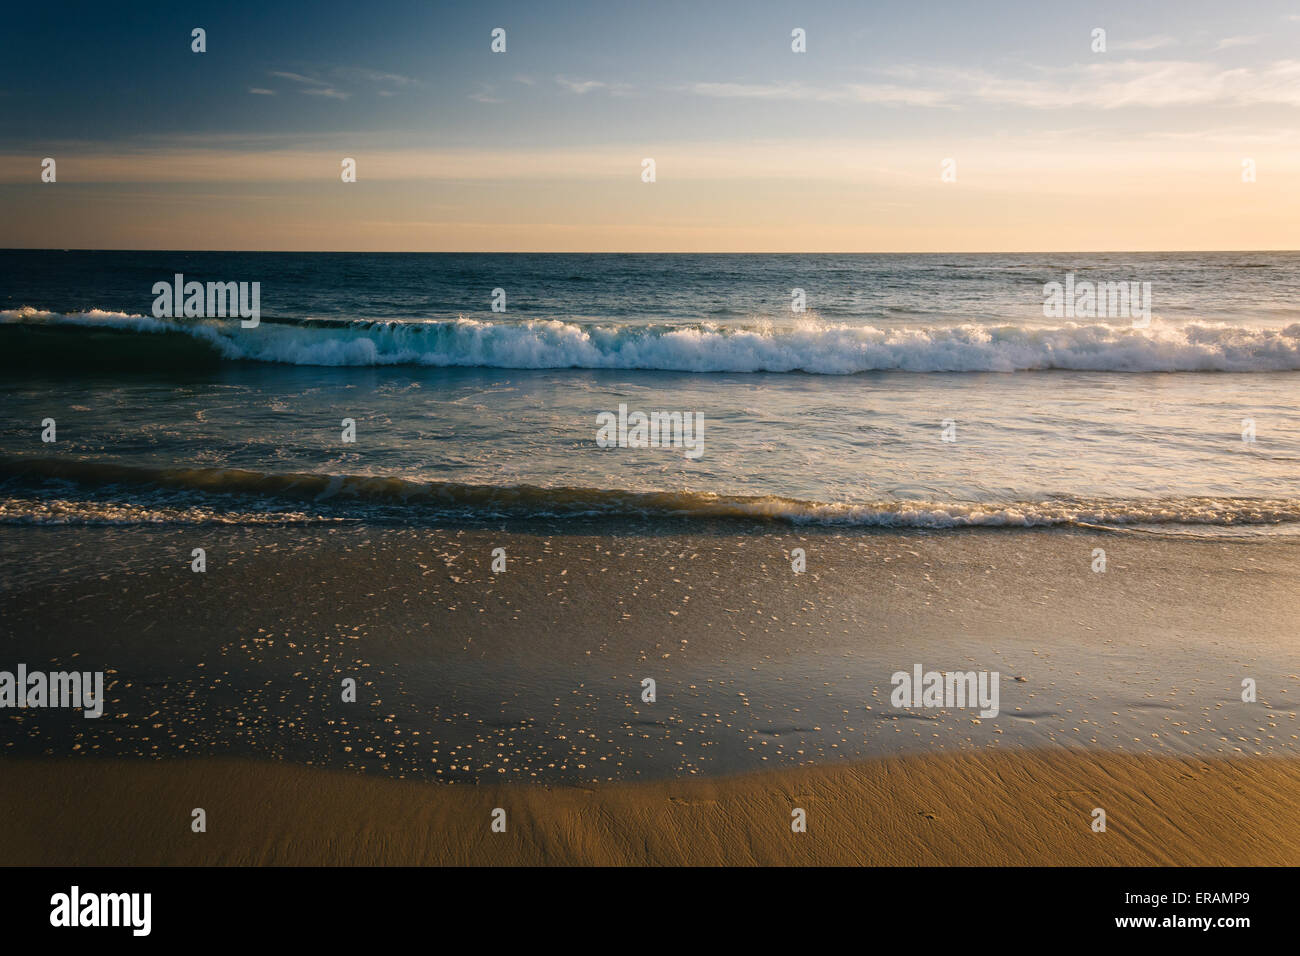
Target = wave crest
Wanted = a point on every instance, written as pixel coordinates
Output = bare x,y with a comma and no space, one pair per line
123,494
811,347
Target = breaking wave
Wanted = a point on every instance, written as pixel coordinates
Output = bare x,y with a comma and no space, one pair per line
61,492
32,338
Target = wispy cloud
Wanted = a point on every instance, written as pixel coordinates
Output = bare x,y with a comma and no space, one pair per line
486,94
1142,44
1232,136
1229,42
579,86
387,83
886,94
311,85
582,87
1106,85
376,77
758,91
1141,84
297,78
261,92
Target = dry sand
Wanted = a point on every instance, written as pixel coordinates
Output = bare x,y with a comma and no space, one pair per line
971,809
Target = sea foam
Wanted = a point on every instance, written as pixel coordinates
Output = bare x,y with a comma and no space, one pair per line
811,347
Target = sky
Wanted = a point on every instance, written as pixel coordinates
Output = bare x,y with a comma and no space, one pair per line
1053,145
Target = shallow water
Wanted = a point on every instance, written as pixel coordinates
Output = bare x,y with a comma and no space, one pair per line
926,391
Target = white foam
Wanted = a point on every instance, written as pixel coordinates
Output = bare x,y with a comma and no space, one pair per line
816,347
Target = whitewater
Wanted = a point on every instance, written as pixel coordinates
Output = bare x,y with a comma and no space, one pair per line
809,346
927,393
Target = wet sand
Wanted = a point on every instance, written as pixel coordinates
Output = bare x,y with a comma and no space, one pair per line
523,690
1030,808
537,673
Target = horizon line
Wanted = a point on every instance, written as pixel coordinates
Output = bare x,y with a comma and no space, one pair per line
615,252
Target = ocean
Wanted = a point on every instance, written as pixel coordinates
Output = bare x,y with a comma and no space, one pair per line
912,391
385,481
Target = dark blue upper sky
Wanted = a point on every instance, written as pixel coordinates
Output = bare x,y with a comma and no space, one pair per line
105,71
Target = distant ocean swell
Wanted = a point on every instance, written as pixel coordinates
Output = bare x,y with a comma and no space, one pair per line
32,338
41,491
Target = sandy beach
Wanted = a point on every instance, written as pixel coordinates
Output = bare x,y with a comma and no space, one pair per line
522,690
1029,809
752,436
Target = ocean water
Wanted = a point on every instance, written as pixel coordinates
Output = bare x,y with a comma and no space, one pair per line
925,391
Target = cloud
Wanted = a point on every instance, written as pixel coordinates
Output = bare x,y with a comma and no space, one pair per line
1143,84
888,94
374,76
327,91
885,94
261,92
388,83
759,91
1104,85
297,78
580,86
310,85
1228,42
1232,136
1145,43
